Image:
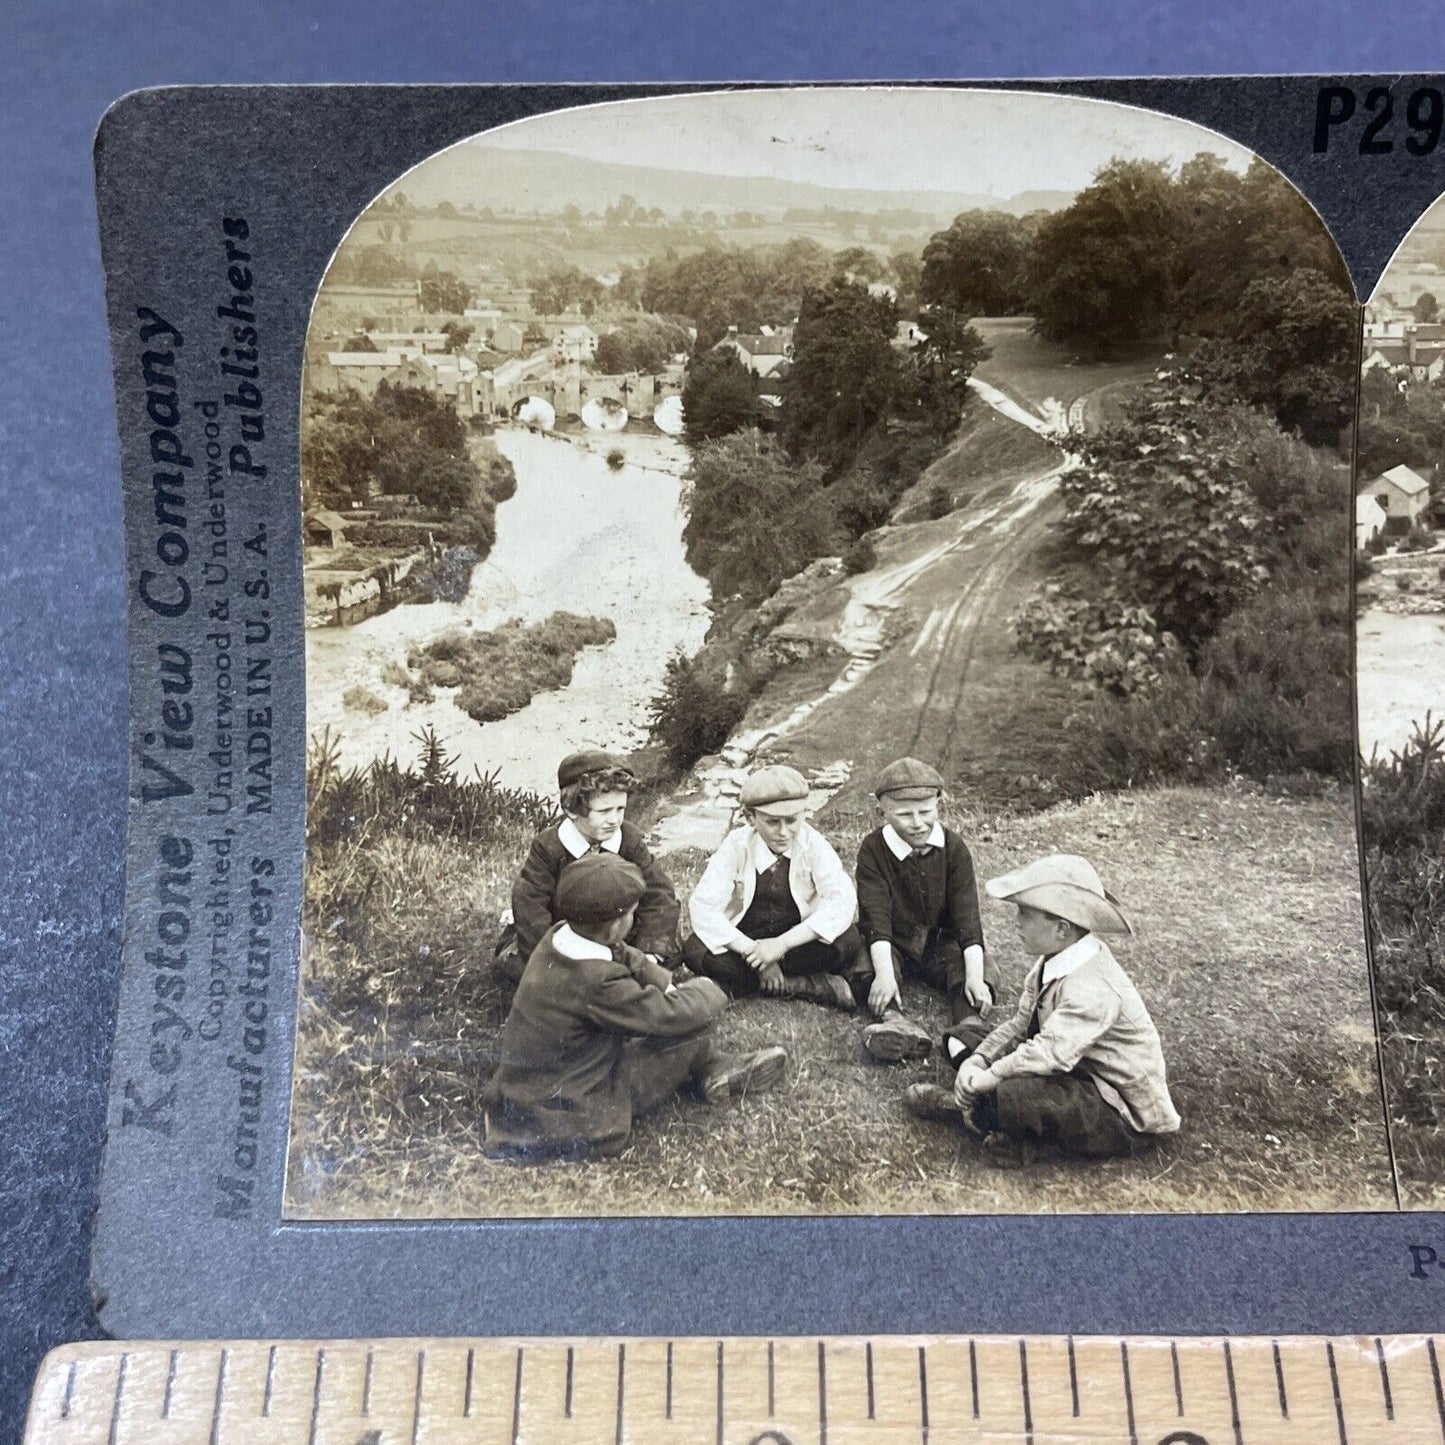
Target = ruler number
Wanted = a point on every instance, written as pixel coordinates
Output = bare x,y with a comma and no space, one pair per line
1340,113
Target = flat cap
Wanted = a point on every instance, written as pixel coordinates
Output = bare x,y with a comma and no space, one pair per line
781,788
578,765
908,778
599,887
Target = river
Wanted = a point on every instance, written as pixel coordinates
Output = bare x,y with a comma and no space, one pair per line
1400,664
577,537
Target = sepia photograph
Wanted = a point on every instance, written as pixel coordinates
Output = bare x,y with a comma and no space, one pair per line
1400,661
829,673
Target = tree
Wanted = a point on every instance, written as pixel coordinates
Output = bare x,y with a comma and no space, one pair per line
360,341
1426,308
941,363
718,397
907,274
646,344
754,518
845,375
976,266
457,335
442,291
1102,272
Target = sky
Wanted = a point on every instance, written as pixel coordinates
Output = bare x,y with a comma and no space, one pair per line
993,142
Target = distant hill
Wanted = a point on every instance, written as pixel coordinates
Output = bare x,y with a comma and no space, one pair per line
550,180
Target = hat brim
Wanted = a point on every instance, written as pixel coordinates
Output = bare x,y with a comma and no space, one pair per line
780,808
911,793
1064,900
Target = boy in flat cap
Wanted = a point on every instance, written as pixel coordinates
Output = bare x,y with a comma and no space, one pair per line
593,788
598,1034
1079,1066
918,912
773,911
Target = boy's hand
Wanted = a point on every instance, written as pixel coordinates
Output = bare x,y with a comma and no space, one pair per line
767,952
966,1087
883,993
975,990
770,979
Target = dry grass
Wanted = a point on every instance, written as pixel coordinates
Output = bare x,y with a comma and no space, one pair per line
1249,953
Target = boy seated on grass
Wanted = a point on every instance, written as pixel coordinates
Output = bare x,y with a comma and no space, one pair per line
1079,1067
593,788
598,1034
918,913
773,911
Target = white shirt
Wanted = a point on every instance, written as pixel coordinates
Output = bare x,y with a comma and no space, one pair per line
569,835
574,946
900,849
1066,960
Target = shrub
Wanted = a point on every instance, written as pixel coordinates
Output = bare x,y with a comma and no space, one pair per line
1111,645
862,556
616,459
1364,565
362,699
940,501
697,709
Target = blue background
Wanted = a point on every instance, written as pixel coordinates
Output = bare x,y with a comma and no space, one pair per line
62,694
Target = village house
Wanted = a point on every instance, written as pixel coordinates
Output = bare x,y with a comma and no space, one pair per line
504,336
325,528
1370,519
574,343
409,340
766,353
358,371
453,379
1403,495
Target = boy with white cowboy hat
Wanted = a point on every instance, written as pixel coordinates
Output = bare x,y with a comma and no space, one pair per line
599,1034
773,911
1079,1066
918,912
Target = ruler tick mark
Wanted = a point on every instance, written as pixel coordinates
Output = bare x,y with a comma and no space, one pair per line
1128,1392
822,1395
621,1383
1439,1389
772,1394
467,1395
517,1399
416,1398
1024,1383
1234,1420
1385,1379
567,1397
220,1398
1178,1381
170,1386
1279,1382
115,1403
1073,1379
922,1392
69,1390
973,1375
270,1379
669,1379
1335,1386
868,1370
719,1392
366,1384
316,1396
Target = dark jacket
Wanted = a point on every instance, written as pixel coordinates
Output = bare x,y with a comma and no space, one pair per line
533,909
558,1084
915,902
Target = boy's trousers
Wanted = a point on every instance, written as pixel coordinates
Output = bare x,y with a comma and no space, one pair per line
940,967
1065,1111
654,1069
846,955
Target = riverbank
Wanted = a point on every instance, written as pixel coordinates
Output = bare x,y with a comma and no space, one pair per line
1399,647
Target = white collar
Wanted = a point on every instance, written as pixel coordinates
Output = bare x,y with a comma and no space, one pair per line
574,946
569,835
900,850
762,857
1066,960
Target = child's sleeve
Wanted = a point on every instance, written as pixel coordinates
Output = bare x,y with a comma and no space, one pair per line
619,1004
837,898
963,895
532,897
707,908
1082,1015
658,912
875,897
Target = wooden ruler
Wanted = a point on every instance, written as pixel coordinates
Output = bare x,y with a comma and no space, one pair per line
926,1390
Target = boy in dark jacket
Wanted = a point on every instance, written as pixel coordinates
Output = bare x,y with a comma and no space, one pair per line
918,912
593,788
598,1034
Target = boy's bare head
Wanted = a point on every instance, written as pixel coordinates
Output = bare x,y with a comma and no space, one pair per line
1045,933
597,801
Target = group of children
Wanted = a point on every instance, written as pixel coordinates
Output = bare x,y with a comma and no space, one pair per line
606,1023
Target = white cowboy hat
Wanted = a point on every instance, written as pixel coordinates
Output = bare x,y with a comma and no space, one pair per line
1066,886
